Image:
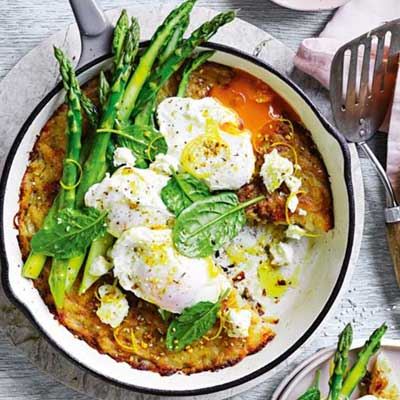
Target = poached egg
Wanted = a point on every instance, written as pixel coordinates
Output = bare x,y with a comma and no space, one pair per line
207,141
146,263
132,197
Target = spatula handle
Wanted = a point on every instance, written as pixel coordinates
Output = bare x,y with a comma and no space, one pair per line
393,234
390,195
94,28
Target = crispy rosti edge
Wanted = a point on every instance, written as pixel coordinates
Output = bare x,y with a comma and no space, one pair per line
268,335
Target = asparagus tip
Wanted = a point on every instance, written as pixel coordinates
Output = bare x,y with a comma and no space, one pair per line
123,18
57,52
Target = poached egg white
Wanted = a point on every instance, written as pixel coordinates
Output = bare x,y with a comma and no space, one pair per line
205,138
131,196
146,263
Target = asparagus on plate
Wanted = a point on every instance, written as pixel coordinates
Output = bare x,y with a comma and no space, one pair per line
343,382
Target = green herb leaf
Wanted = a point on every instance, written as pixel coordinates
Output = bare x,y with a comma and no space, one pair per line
182,190
70,234
192,324
208,224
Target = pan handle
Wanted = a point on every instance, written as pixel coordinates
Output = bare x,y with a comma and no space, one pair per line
95,30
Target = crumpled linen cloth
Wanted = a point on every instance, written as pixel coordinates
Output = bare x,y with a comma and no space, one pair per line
315,55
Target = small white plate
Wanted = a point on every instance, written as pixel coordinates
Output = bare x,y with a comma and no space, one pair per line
311,5
303,376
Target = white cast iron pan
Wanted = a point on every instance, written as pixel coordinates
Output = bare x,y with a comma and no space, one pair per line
303,310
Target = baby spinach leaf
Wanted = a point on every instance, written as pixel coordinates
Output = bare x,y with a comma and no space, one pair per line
182,190
192,324
145,142
70,234
208,224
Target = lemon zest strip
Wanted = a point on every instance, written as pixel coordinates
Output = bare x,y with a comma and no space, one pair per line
133,347
74,186
294,152
219,331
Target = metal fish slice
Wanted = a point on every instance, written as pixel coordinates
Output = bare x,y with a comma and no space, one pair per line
362,83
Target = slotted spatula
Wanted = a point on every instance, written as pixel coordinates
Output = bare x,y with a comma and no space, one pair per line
362,82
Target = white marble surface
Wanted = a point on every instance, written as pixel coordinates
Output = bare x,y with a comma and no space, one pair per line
373,295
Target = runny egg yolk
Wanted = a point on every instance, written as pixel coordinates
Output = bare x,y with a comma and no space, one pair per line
253,100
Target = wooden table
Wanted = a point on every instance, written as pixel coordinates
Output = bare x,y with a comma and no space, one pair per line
372,297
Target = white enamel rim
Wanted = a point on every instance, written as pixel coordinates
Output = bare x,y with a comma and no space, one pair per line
285,390
311,5
291,334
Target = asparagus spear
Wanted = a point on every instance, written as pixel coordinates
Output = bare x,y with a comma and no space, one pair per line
341,363
73,267
134,85
95,166
125,48
35,262
175,41
359,369
174,62
99,248
104,89
143,70
120,32
57,278
89,109
33,265
146,116
67,71
191,66
71,170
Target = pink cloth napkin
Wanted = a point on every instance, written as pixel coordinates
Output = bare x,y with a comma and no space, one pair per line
315,55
